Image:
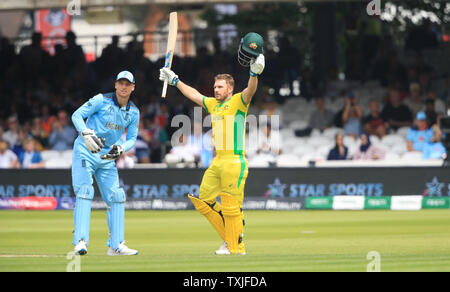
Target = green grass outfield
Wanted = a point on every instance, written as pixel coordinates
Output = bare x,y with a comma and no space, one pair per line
288,241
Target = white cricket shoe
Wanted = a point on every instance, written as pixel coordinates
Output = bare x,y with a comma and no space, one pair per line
223,249
80,248
122,250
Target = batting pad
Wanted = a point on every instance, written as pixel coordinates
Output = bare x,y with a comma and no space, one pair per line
82,220
234,227
117,218
212,215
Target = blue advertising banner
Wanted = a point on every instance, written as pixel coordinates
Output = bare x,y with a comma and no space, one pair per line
266,188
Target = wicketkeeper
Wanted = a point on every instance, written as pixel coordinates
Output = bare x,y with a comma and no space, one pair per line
94,153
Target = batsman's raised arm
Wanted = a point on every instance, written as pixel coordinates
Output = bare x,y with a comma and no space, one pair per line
250,54
171,78
256,68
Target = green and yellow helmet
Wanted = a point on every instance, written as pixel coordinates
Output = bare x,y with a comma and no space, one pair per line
250,47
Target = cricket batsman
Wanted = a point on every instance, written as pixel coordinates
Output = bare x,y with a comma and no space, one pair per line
94,153
227,173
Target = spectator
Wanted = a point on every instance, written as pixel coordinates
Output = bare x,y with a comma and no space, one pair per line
73,53
142,149
373,123
444,93
31,158
430,112
434,149
395,113
19,147
340,151
368,151
420,135
352,117
290,62
269,141
186,152
203,142
8,159
63,135
271,109
38,133
415,100
46,118
321,118
126,160
33,59
439,105
12,134
160,138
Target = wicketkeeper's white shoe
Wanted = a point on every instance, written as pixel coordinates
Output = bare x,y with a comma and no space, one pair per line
122,250
80,248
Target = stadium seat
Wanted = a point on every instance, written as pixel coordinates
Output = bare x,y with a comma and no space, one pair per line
349,141
286,133
392,156
318,141
288,160
399,148
67,155
403,131
301,150
57,163
261,160
412,156
50,154
298,125
392,140
331,132
375,140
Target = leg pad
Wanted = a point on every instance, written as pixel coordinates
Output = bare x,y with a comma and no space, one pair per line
234,227
214,217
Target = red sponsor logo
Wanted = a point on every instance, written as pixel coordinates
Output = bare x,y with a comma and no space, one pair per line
29,203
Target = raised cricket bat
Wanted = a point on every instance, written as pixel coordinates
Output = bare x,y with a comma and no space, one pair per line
171,41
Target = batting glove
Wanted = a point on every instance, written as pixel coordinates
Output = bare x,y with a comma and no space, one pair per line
257,66
167,75
93,143
115,153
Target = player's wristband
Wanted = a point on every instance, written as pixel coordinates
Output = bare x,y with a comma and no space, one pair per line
174,81
253,74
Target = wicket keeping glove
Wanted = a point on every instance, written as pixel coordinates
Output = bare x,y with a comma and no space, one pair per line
167,75
114,153
257,66
93,143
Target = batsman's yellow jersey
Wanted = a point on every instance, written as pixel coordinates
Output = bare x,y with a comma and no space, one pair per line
228,124
228,171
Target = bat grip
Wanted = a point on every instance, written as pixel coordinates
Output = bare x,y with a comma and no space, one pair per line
164,91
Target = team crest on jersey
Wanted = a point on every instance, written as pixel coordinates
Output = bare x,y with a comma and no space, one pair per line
110,110
253,46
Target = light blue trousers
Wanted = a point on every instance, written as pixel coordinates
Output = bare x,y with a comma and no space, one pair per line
85,166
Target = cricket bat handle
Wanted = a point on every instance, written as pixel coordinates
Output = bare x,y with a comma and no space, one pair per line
164,91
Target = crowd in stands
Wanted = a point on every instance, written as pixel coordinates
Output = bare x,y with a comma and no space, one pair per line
39,92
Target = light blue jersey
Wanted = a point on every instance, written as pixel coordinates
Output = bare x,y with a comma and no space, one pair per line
419,138
108,120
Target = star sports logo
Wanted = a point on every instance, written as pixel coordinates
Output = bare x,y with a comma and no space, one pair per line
276,189
434,188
